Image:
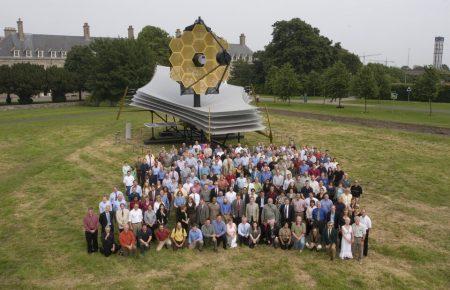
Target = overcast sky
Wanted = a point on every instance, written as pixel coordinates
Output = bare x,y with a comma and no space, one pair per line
387,27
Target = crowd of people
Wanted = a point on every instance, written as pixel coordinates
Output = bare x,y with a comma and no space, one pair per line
283,197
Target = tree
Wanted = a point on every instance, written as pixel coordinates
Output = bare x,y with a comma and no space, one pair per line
312,83
118,63
270,81
285,83
28,80
242,74
157,41
79,61
337,82
301,45
427,85
6,82
60,82
365,85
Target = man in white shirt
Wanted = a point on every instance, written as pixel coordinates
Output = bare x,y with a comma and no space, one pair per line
288,181
230,195
241,182
278,180
367,222
314,185
238,148
128,182
196,197
135,219
125,168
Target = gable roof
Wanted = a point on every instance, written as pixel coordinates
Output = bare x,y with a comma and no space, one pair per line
237,49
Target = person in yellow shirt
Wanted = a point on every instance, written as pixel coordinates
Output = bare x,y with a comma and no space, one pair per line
178,237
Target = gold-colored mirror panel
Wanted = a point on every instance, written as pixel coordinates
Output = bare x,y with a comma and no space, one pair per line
199,40
176,44
176,59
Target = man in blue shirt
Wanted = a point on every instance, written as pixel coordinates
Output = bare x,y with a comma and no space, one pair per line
220,229
326,203
319,216
195,238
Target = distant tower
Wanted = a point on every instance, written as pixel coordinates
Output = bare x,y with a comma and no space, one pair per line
130,32
438,51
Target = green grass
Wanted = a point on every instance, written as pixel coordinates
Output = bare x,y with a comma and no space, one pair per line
440,119
57,162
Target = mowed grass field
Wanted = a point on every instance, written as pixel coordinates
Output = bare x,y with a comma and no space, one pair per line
57,162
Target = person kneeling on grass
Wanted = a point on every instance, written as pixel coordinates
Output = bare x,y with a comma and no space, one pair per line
144,238
255,235
244,229
285,237
178,237
314,240
195,238
163,237
127,241
209,235
108,245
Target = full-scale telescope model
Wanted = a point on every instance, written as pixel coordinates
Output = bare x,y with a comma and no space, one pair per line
194,88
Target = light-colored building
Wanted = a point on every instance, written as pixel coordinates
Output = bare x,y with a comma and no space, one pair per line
16,46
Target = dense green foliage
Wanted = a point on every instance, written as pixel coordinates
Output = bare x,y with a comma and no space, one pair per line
285,82
337,81
118,63
157,42
6,85
60,82
78,62
365,84
28,80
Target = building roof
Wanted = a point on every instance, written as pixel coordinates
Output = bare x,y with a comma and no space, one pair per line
237,49
43,42
49,43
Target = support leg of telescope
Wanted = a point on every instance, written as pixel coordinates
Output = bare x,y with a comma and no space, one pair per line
196,100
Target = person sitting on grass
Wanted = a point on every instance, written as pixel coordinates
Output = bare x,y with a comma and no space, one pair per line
285,237
195,238
127,241
298,234
220,230
144,238
314,240
163,237
178,237
244,229
209,236
255,235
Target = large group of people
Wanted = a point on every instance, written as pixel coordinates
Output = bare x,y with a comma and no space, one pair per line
286,197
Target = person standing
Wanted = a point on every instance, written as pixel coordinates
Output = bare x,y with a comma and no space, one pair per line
90,223
252,211
135,219
366,221
356,190
347,240
202,213
128,183
359,233
122,216
287,212
270,212
329,240
106,219
238,209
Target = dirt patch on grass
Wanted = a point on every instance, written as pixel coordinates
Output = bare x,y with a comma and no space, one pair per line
367,122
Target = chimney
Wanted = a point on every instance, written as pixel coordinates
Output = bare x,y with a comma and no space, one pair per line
20,30
242,39
130,32
86,32
9,30
178,33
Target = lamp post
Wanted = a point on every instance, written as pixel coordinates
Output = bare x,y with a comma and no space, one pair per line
408,90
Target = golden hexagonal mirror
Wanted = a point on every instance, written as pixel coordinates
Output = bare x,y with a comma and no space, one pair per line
199,59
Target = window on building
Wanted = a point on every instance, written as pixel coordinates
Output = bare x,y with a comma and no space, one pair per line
53,54
16,53
63,54
28,53
40,53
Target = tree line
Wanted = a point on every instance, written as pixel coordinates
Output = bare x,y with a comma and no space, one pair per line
299,61
104,68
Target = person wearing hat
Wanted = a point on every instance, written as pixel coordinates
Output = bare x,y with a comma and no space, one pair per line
329,239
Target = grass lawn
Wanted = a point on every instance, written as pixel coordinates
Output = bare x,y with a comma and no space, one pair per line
57,162
440,119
